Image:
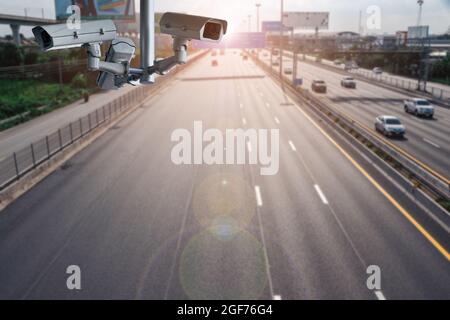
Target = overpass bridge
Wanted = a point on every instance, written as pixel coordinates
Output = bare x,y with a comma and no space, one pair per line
16,21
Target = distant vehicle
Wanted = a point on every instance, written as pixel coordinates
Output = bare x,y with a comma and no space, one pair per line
214,53
319,86
214,63
419,107
245,57
288,70
222,52
348,82
390,126
350,65
276,63
377,70
275,52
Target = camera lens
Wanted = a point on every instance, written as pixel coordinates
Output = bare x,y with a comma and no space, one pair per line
212,31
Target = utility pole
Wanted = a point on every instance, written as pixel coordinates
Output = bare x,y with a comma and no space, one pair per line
258,6
419,18
281,39
360,28
147,40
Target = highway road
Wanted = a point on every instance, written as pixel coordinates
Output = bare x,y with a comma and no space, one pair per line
432,87
141,227
427,140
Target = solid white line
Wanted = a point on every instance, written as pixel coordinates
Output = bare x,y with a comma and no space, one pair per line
432,143
321,195
292,146
380,295
277,297
277,120
258,196
244,121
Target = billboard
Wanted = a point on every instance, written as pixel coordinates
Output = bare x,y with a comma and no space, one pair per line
418,32
307,20
244,40
273,26
97,9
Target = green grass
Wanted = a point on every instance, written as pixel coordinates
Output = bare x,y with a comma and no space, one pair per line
28,99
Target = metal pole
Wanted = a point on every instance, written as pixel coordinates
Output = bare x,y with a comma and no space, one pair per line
258,5
147,39
249,23
281,39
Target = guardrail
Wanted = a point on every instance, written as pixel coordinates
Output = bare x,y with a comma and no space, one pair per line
425,175
24,161
405,84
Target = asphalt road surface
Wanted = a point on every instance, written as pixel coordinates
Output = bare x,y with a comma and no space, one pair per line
141,227
428,140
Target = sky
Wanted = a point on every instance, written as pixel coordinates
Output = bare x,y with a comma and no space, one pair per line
344,14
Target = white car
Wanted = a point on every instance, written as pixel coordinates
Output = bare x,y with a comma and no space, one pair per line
288,70
348,82
377,70
390,126
419,107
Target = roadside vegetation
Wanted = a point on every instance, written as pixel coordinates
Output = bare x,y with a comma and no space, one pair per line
33,83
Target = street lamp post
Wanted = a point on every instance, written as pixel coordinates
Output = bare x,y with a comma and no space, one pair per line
258,5
281,39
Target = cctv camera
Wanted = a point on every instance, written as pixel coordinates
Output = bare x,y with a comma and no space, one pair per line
193,27
59,36
120,52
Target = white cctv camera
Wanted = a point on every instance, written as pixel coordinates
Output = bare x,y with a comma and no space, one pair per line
193,27
59,36
183,28
119,55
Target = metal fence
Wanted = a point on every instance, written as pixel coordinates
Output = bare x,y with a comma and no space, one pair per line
20,163
411,85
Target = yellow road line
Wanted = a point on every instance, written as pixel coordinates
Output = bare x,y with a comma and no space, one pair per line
405,213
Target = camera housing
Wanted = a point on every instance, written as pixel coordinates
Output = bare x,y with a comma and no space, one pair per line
59,36
191,27
120,52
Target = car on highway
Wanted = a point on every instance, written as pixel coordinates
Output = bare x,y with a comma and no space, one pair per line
245,57
319,86
348,82
377,70
288,70
276,63
214,63
390,126
419,107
